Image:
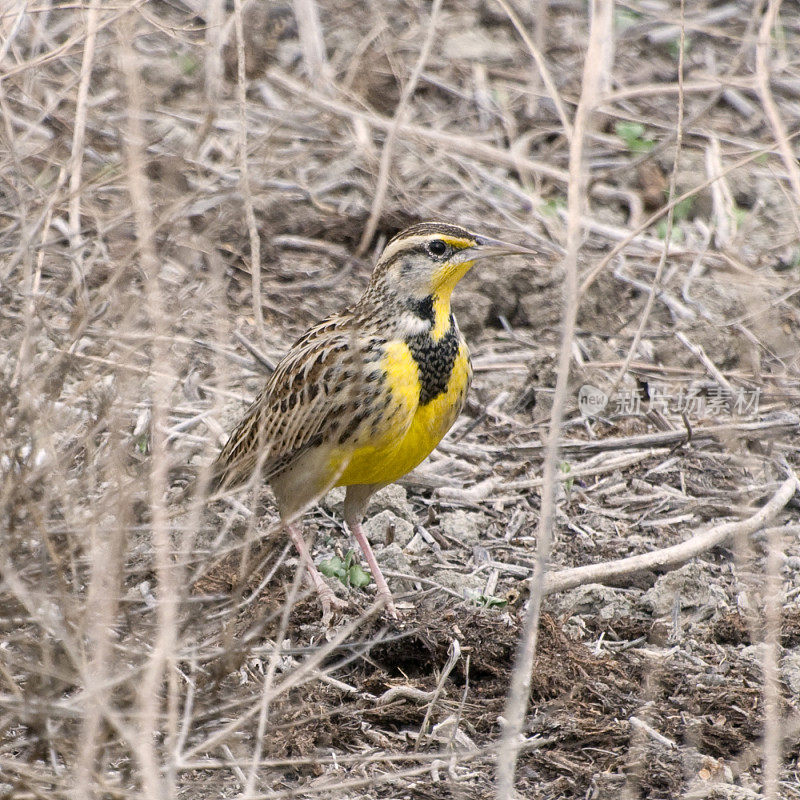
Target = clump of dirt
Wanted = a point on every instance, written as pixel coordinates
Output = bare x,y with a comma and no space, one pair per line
575,695
735,629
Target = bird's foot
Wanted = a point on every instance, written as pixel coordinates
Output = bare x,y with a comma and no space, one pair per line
388,603
384,594
330,603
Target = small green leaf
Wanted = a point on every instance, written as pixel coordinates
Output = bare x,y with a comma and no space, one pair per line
188,64
332,567
739,215
565,468
683,209
661,230
629,130
633,134
489,601
553,206
348,571
674,47
358,577
625,18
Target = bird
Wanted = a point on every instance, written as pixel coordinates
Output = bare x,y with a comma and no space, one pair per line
365,395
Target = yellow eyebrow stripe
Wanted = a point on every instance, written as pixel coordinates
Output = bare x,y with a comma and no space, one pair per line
459,244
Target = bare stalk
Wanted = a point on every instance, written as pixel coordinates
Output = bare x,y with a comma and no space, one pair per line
163,650
657,215
767,100
517,700
541,64
312,43
467,145
400,114
269,682
676,554
76,156
244,170
773,603
673,179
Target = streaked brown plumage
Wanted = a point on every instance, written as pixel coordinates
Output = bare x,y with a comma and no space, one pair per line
365,395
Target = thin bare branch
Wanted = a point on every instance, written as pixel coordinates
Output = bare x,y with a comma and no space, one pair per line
763,74
162,657
400,114
544,72
244,172
676,554
676,159
517,699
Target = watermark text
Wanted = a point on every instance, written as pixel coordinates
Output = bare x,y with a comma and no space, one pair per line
670,400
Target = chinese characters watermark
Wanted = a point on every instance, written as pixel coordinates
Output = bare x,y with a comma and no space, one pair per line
670,400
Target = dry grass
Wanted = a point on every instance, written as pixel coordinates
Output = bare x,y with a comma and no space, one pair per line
151,160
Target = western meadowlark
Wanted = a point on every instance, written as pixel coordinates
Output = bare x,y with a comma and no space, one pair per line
364,396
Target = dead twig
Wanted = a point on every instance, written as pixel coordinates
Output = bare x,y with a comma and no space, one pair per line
312,43
657,278
464,144
244,170
703,358
382,182
452,659
767,101
544,72
785,424
657,215
161,661
519,690
677,554
77,154
770,664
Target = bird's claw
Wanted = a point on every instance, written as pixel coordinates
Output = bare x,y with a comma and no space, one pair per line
330,602
388,604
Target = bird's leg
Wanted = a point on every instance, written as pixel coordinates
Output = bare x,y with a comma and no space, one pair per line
327,598
355,504
380,581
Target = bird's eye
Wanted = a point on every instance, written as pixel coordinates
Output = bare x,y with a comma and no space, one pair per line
437,248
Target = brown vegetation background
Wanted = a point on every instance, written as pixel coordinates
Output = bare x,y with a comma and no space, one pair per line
179,202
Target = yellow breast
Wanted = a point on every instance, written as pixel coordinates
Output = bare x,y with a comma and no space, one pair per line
409,431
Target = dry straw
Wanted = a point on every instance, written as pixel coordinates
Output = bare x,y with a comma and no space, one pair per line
182,198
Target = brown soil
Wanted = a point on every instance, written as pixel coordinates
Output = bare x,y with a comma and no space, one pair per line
651,688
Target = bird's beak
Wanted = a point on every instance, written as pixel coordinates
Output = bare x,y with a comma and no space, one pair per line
485,247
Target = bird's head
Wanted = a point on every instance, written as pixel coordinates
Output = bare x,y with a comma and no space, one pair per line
421,265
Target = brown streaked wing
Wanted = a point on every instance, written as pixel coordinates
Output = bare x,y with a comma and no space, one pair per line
304,402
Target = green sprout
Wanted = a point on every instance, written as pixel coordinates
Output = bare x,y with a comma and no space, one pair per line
683,209
489,601
349,571
661,230
633,134
188,64
674,47
625,18
680,212
568,483
739,215
552,206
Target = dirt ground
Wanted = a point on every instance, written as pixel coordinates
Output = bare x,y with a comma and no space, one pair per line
162,648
